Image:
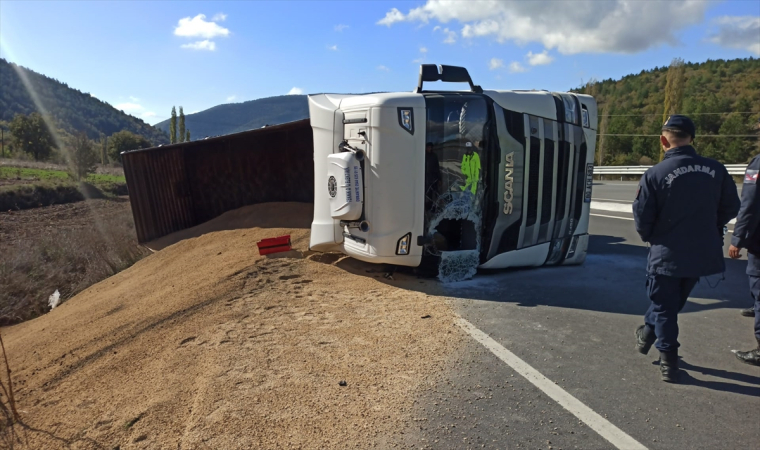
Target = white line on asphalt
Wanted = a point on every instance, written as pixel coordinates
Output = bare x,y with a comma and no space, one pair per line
620,207
614,207
631,218
612,200
607,430
612,217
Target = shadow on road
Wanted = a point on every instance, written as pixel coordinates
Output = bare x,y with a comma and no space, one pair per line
742,389
611,280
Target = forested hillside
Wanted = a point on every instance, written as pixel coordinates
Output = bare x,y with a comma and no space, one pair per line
235,117
722,97
71,109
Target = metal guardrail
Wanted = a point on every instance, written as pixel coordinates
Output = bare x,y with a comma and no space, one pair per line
733,169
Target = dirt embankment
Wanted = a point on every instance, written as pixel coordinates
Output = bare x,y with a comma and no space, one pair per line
207,345
61,247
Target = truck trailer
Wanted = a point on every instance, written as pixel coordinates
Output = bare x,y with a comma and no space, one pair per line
454,180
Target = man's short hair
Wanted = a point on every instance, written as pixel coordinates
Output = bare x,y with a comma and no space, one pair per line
429,143
678,134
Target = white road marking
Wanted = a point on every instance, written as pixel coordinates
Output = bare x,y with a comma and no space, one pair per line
614,207
612,217
605,428
619,207
730,230
613,200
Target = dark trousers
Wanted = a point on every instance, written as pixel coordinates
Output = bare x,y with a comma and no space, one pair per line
753,271
668,296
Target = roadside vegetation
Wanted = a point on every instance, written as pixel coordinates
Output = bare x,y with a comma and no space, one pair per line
25,187
722,97
66,248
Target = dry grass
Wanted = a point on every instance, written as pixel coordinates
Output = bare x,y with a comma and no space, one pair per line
44,165
65,258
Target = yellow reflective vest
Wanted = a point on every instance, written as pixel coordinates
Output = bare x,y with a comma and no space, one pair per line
471,171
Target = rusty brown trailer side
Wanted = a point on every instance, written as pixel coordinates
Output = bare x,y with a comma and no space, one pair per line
178,186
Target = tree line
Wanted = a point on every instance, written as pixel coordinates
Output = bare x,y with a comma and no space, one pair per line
35,136
721,97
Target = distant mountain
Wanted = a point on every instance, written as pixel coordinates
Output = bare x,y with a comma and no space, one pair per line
72,110
236,117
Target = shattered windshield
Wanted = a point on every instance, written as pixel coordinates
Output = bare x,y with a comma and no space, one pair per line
454,166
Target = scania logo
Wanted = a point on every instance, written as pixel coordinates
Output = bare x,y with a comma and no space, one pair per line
332,186
509,192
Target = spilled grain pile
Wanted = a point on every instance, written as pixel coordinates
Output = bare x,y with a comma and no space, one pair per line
206,344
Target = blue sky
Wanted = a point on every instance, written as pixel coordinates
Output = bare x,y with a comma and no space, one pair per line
145,56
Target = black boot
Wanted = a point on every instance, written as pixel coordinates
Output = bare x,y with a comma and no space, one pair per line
751,356
749,312
644,339
669,366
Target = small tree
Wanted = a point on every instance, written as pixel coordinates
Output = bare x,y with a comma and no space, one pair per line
181,125
674,87
82,156
187,137
103,149
123,141
31,135
173,127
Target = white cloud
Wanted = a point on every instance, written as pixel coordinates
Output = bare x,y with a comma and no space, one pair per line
495,63
148,114
383,68
201,45
393,16
134,99
539,59
333,48
231,98
129,107
421,59
198,26
451,36
586,26
295,91
219,17
738,32
340,27
516,67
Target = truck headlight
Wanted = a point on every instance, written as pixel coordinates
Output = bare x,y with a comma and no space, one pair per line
402,248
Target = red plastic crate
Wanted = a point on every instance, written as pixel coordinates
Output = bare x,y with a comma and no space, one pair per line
274,245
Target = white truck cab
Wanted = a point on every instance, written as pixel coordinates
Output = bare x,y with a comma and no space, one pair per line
453,180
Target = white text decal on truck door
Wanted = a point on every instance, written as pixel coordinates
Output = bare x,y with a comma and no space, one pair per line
508,181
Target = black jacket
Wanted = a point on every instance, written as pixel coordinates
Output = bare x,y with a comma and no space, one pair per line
681,207
746,233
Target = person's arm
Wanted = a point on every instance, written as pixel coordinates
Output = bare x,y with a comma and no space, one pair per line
749,214
729,204
645,208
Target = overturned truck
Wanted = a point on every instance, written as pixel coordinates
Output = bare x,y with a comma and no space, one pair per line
453,181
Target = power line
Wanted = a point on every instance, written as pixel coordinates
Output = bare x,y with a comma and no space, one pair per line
698,137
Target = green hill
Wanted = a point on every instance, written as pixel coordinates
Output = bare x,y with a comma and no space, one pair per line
722,97
72,110
236,117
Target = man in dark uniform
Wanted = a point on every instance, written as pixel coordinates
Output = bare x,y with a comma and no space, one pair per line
681,207
747,235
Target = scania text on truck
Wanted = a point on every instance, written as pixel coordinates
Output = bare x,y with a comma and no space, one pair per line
489,179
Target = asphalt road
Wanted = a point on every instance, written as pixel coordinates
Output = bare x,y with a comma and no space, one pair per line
575,326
